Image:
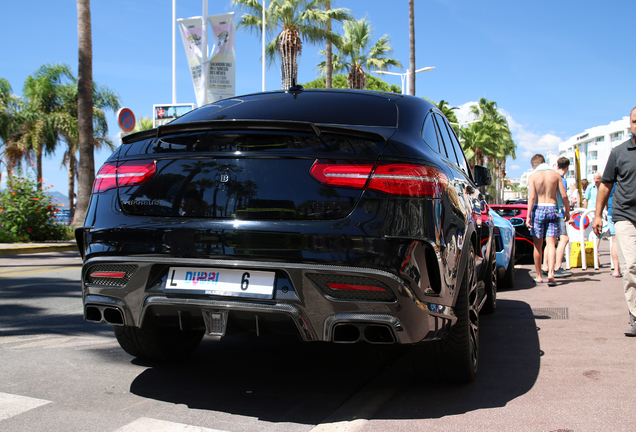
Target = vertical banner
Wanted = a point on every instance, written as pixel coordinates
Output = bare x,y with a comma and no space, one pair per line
577,164
191,29
221,76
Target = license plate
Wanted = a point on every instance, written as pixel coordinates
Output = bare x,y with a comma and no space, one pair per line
226,282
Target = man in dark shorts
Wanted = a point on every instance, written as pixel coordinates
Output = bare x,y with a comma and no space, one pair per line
543,217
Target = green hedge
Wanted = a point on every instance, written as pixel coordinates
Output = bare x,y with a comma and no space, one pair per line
28,213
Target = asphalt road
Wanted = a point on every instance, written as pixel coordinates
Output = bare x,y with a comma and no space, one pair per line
552,359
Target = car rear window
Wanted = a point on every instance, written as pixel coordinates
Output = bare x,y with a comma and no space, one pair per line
334,108
256,141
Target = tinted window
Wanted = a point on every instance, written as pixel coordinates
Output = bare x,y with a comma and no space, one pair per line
248,141
461,158
446,139
323,107
429,134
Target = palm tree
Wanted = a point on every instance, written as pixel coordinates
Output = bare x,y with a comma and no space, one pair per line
329,51
37,120
8,107
449,113
300,20
468,141
506,148
355,53
104,99
86,166
492,139
143,123
411,75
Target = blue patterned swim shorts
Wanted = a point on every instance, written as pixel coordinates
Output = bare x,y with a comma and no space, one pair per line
545,221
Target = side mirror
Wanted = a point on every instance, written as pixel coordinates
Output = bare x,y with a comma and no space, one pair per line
482,176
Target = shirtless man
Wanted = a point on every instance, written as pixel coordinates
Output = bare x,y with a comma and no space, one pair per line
543,216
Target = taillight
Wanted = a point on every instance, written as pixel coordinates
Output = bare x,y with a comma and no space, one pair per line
409,180
352,175
130,173
401,179
105,178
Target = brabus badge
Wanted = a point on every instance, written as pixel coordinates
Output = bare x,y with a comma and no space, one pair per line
224,179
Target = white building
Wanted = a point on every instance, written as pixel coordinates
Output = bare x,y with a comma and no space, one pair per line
594,147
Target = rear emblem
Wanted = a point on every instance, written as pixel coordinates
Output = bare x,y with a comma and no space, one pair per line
224,179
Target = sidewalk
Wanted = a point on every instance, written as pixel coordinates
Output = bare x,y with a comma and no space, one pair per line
8,249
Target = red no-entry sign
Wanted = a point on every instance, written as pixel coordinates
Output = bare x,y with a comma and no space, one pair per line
126,120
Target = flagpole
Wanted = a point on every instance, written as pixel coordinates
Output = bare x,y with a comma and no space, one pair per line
263,58
204,52
174,51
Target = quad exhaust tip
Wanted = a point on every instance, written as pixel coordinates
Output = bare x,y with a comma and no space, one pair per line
97,314
357,332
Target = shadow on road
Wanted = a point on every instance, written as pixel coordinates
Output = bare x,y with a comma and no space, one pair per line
43,305
509,367
277,379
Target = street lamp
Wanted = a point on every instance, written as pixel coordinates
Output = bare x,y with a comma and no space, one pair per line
404,76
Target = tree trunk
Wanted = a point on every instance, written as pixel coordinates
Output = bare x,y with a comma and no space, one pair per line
71,186
38,167
290,47
86,171
357,78
411,76
328,55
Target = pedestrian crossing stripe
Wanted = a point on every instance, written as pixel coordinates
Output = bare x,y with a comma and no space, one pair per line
12,405
145,424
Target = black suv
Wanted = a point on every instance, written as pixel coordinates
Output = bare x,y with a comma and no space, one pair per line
335,215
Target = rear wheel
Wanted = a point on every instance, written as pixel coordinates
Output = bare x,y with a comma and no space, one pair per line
456,357
158,343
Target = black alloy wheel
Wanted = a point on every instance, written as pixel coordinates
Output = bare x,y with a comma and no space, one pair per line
454,359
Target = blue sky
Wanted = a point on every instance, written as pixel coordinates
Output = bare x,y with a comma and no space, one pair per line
555,68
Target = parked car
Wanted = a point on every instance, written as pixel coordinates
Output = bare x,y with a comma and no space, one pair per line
516,214
336,215
505,247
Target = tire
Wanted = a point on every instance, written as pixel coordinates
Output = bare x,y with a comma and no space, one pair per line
158,343
508,281
491,284
454,359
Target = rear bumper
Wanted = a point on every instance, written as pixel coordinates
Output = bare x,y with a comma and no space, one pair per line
297,303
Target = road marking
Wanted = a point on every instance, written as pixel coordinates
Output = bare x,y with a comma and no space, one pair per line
12,405
21,271
145,424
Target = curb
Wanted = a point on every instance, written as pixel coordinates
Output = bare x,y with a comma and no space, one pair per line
38,248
